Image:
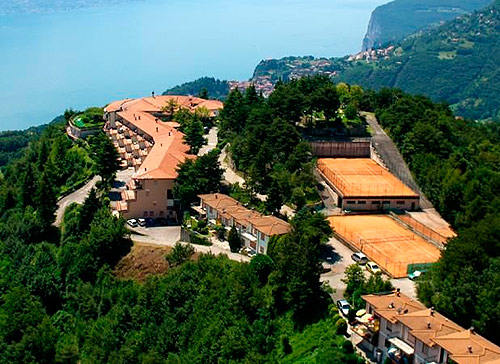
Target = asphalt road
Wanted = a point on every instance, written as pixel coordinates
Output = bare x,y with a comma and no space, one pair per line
78,196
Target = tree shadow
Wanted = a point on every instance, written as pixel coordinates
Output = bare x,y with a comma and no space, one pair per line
328,254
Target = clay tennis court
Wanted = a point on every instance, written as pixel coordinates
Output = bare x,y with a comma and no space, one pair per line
385,241
362,177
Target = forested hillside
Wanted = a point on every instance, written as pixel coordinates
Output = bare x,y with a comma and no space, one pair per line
457,63
397,19
211,87
457,164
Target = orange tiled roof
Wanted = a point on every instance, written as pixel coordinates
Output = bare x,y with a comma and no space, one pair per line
169,149
389,306
428,324
466,347
432,328
229,207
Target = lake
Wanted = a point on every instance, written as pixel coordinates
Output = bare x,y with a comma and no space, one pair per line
50,62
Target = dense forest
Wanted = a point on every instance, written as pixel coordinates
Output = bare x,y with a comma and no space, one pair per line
205,87
457,164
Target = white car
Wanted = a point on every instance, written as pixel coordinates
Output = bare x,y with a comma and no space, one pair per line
372,267
359,258
344,307
141,221
132,222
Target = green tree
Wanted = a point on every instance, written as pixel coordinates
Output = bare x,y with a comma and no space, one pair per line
234,240
105,156
180,254
199,176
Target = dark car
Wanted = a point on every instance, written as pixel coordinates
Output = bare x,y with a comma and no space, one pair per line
150,222
161,221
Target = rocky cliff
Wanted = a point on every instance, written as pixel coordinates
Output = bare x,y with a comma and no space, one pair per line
394,21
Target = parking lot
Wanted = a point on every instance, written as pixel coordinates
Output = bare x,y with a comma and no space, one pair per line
337,257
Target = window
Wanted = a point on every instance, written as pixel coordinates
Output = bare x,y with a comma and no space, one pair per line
386,202
170,195
400,202
147,192
387,343
261,250
361,202
151,213
162,213
145,214
351,202
389,326
425,349
375,202
411,339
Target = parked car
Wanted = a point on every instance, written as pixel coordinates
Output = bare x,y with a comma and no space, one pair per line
373,268
150,222
141,221
132,222
344,307
415,275
161,221
360,258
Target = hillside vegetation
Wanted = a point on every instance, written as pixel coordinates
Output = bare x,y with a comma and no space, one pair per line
213,88
457,63
393,21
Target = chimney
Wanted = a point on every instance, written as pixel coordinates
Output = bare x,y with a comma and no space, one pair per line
432,311
216,196
153,94
470,349
472,330
398,292
428,325
391,305
157,129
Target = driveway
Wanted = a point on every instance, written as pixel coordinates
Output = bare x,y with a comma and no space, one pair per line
211,141
78,196
170,235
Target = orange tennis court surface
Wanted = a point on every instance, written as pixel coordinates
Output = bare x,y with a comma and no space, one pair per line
362,177
385,241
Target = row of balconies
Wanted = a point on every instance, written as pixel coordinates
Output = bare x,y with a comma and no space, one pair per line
131,147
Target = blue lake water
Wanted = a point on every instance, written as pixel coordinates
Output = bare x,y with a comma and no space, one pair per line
50,62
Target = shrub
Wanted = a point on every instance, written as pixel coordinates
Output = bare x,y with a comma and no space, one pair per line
341,327
200,240
347,347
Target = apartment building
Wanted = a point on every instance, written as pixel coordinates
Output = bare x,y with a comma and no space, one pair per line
405,331
148,140
254,228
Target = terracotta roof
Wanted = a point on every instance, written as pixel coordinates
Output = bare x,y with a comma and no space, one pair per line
428,324
466,347
270,225
229,207
390,306
432,328
169,149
